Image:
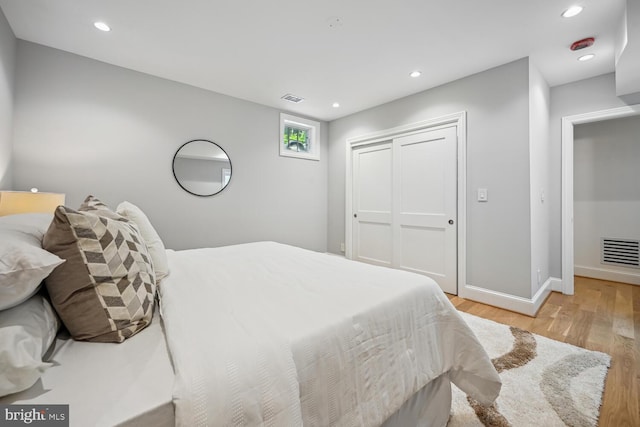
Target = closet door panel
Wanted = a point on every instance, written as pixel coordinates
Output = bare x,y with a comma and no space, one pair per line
425,204
372,204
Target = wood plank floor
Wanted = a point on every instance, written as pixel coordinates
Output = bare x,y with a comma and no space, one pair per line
603,316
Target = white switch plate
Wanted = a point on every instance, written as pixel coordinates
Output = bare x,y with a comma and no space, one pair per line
483,195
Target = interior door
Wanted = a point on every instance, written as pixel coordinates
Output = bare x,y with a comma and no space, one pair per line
372,204
425,205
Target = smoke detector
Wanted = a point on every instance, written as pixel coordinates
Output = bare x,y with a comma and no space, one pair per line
581,44
334,23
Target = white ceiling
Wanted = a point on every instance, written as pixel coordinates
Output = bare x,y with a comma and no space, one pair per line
259,50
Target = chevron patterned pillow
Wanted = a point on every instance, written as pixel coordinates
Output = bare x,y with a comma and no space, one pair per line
106,288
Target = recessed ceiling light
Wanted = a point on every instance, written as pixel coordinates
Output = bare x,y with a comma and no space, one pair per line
572,11
102,26
416,73
336,105
586,57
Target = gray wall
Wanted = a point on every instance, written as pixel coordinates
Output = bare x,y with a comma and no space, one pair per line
598,93
7,72
539,103
497,105
606,188
85,127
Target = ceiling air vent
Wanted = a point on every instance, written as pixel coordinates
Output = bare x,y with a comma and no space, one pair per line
292,98
621,252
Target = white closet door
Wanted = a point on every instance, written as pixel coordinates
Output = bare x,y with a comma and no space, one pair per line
372,204
425,205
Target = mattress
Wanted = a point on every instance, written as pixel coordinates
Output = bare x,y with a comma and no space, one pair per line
104,384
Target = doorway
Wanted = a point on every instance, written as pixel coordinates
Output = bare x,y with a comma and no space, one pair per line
568,124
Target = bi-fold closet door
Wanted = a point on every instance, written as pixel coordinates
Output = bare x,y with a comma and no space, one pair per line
404,204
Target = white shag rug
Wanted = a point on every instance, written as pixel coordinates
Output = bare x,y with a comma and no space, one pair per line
544,382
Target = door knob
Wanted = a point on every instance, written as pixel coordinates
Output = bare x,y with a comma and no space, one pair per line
355,215
451,221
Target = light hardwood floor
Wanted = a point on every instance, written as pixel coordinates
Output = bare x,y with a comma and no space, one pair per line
603,316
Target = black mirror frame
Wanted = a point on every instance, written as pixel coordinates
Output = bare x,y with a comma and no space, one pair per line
173,168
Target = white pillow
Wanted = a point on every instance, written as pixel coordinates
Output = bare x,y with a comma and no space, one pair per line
23,262
151,238
26,333
35,224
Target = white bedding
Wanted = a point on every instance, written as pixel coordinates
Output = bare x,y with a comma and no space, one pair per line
268,334
108,384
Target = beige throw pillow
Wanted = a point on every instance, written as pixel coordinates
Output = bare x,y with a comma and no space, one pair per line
106,288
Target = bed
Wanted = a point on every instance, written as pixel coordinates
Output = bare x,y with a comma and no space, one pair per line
270,334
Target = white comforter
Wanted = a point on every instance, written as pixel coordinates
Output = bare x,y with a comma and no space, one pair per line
273,335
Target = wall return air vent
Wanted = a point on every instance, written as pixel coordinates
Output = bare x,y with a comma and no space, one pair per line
622,252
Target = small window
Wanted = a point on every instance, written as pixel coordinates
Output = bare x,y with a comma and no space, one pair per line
299,137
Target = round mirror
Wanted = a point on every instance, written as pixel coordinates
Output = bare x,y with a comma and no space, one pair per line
202,167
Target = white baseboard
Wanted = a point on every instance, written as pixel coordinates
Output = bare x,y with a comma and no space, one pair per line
607,274
556,284
528,306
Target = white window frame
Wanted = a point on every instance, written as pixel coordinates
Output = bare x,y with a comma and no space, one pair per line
313,129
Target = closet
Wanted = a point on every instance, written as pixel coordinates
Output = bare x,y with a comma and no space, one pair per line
404,203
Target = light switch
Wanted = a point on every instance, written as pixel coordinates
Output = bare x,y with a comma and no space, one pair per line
483,195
